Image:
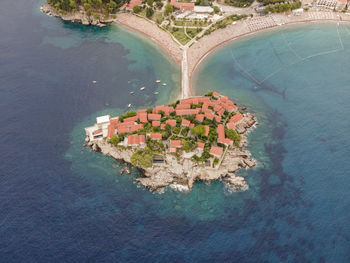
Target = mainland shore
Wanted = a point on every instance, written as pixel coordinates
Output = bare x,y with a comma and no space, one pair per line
188,57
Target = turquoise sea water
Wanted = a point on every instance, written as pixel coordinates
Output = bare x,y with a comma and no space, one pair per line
60,202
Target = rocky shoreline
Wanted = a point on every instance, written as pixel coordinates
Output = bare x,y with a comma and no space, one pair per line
77,17
181,173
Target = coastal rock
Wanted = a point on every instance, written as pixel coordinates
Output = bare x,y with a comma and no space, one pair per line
77,17
95,147
237,183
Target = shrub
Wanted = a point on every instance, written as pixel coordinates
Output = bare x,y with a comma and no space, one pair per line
137,9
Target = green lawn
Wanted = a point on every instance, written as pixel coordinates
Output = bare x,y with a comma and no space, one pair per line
192,32
179,34
191,23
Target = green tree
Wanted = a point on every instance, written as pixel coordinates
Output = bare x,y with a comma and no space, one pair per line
150,3
233,135
198,130
136,9
149,12
114,140
169,9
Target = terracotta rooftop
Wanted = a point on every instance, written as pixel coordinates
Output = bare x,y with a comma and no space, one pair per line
183,106
200,117
154,116
172,149
183,6
155,123
111,130
216,151
185,122
187,112
172,123
131,5
175,143
156,136
143,117
206,130
131,119
221,131
200,145
236,118
97,132
230,125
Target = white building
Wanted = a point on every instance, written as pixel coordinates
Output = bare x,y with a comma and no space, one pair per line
203,9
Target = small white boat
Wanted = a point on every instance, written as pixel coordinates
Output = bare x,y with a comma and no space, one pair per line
142,88
164,84
156,92
131,92
129,105
94,81
158,80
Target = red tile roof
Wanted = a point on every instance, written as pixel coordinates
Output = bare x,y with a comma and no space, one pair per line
206,130
221,111
217,118
191,125
97,132
216,95
183,106
111,131
224,140
200,117
209,115
155,123
142,138
137,127
143,117
221,131
185,122
200,145
154,117
172,123
136,139
230,125
131,5
175,143
183,6
114,121
236,118
124,130
187,112
172,149
216,151
156,136
131,119
133,139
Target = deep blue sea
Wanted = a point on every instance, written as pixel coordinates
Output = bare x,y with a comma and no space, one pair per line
60,202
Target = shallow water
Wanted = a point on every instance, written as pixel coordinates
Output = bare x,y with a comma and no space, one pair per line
62,202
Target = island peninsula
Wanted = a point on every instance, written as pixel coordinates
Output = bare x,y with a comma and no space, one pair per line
198,138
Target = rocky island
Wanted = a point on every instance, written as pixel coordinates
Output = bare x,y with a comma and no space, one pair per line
198,138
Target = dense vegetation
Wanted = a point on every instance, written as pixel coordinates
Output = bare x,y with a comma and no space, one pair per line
239,3
91,6
282,7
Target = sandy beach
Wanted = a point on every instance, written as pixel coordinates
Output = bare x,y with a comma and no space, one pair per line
153,32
